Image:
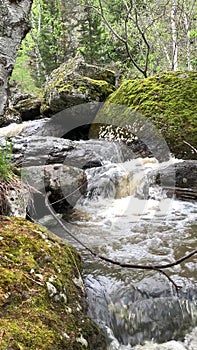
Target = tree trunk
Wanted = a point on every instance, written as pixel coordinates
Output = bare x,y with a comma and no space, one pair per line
174,36
14,25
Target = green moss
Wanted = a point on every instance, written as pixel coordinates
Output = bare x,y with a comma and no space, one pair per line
75,82
32,317
169,100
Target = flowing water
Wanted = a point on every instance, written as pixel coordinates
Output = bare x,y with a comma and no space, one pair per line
127,218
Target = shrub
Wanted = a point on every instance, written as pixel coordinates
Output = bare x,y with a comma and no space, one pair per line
5,161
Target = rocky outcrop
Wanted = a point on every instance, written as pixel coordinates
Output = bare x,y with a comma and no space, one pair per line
14,24
76,82
167,100
42,299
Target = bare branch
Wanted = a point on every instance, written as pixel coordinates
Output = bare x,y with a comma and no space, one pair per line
109,25
192,147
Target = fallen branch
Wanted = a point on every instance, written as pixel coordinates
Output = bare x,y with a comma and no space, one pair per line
158,268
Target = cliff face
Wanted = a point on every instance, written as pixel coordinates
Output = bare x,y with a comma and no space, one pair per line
14,24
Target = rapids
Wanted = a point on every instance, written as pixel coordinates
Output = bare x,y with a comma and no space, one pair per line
128,218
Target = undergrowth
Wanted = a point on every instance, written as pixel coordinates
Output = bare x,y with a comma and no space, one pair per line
5,161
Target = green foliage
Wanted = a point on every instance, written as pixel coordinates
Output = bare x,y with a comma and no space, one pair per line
60,29
23,71
5,161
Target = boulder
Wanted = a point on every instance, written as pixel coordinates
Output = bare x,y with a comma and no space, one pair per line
10,116
76,82
65,183
179,179
22,109
28,108
52,150
167,100
40,127
42,295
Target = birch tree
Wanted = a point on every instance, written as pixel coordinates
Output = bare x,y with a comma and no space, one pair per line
14,24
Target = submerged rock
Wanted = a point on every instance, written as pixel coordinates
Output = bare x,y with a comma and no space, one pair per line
41,306
76,82
136,314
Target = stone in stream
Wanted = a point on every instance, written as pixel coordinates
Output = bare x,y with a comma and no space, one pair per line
65,183
179,179
49,150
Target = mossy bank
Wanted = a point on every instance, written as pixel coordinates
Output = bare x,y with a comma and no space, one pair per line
41,301
169,100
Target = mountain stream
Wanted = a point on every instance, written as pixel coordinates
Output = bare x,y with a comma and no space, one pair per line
127,218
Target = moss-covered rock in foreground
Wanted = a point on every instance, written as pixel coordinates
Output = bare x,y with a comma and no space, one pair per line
169,100
40,302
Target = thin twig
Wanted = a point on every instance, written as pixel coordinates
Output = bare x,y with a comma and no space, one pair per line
192,147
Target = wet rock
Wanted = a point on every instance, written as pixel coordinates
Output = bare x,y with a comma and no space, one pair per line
136,314
179,179
41,127
65,183
51,150
161,318
76,82
114,182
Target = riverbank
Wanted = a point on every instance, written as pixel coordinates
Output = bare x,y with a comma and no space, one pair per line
42,297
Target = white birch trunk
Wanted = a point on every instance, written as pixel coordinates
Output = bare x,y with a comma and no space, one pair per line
174,36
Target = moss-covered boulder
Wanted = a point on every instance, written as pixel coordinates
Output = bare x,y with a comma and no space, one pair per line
41,301
169,100
76,82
